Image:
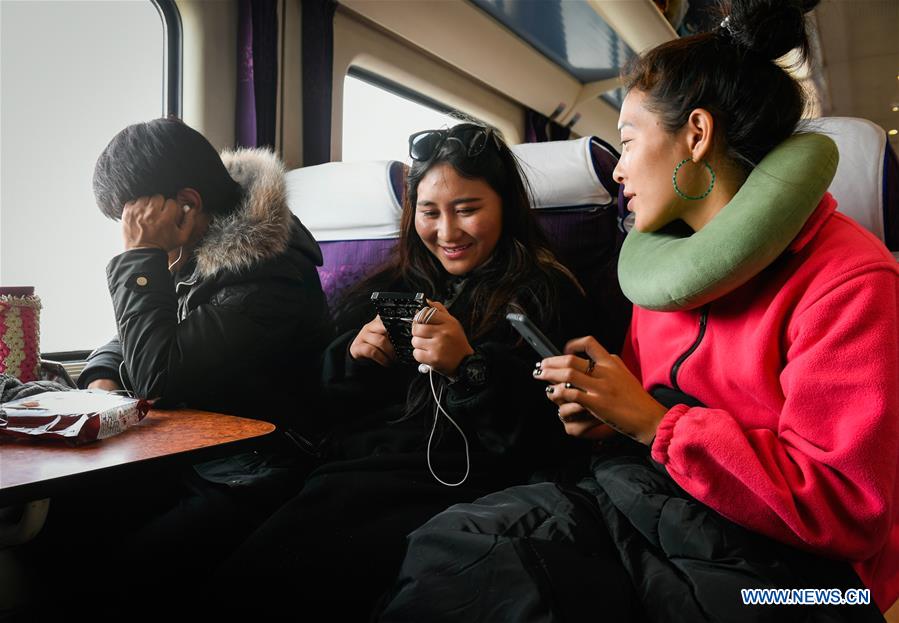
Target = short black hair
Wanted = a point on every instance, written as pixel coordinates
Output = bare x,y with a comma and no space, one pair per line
161,157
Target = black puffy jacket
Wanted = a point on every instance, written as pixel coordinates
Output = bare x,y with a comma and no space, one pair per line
626,545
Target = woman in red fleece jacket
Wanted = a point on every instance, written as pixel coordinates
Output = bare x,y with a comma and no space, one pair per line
786,412
798,367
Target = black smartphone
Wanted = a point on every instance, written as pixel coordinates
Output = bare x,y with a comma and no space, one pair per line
533,335
397,309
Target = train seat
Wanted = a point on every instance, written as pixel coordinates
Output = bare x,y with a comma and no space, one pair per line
576,203
866,185
353,210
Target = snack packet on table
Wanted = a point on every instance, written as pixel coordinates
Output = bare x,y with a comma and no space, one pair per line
77,416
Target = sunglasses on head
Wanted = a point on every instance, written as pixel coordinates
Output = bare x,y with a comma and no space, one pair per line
473,138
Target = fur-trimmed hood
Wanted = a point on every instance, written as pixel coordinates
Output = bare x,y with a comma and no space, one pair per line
261,227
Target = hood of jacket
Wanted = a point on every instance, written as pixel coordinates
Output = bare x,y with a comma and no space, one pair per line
261,227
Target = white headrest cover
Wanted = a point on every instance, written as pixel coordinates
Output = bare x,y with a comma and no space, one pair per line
858,184
346,200
561,173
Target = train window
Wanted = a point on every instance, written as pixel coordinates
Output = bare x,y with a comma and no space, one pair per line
74,74
378,118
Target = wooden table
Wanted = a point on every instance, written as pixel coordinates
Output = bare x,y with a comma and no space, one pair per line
32,470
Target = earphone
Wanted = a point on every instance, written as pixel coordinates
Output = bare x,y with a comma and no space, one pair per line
424,368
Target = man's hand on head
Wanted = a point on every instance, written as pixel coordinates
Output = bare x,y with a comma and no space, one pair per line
156,223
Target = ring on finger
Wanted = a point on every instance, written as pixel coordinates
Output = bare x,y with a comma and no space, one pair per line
574,387
424,315
590,365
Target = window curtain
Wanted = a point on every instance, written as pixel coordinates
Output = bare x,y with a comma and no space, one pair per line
257,73
540,129
318,63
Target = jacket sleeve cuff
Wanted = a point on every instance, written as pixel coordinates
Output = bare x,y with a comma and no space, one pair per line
139,270
458,392
665,432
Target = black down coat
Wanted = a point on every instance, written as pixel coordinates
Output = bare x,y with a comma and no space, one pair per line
627,544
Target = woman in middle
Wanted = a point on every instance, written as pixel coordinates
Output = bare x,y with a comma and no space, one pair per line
408,443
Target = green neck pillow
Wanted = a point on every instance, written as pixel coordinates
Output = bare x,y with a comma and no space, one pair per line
674,268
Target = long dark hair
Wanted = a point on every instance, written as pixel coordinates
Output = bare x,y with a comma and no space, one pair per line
731,73
522,269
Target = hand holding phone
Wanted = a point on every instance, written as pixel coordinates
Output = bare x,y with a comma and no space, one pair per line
372,343
533,336
439,340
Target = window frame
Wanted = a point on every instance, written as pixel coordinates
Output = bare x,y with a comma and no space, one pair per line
398,89
173,57
359,43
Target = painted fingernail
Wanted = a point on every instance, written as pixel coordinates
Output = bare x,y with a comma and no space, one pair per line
538,365
549,389
537,372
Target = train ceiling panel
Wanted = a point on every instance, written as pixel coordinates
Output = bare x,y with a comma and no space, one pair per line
570,34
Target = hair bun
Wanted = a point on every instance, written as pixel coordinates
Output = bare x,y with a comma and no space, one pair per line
770,27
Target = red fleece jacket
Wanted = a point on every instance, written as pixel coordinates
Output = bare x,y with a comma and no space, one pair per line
799,368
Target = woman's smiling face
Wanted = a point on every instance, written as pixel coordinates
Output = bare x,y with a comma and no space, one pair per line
459,219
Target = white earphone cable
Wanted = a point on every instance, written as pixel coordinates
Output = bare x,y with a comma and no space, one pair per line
438,410
122,381
178,259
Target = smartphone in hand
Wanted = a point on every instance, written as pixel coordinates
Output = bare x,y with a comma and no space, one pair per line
397,309
533,335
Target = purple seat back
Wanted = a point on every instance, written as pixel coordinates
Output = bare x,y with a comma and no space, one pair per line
353,210
347,262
